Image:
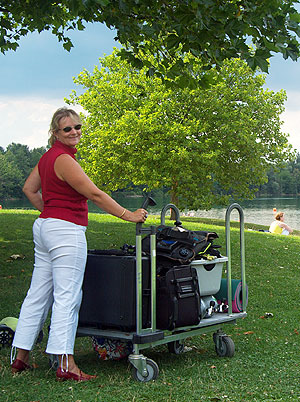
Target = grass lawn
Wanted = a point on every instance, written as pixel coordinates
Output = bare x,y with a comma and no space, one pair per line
266,363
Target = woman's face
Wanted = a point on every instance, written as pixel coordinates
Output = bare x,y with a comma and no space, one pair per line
67,136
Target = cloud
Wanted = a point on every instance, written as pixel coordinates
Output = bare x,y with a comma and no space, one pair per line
291,118
26,120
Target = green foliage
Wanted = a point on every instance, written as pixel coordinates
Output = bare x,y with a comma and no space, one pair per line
16,162
266,356
212,31
10,179
284,181
203,144
19,155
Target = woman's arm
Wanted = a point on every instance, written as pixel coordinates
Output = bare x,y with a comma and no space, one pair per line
285,226
32,188
67,169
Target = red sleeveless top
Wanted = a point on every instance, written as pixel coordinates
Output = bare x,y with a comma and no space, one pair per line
61,201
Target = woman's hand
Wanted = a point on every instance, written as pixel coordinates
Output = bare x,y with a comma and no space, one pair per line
140,215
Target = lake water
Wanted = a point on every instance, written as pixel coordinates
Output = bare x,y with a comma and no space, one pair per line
258,211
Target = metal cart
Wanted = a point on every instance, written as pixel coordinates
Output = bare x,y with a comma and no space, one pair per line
143,368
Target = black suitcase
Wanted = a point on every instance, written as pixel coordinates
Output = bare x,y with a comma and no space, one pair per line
177,298
109,291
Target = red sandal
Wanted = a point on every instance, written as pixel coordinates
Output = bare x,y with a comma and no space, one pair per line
18,366
62,375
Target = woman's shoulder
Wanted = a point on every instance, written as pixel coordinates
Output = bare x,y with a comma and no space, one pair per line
273,225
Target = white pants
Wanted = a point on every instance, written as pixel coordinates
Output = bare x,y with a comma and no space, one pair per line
60,258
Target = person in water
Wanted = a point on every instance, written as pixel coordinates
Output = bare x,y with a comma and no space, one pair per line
278,226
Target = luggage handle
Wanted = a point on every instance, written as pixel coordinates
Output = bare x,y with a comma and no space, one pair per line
186,295
183,290
147,201
179,280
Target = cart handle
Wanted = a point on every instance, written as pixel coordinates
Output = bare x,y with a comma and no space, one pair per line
139,270
242,254
163,214
147,201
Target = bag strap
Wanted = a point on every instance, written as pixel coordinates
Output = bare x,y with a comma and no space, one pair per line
186,236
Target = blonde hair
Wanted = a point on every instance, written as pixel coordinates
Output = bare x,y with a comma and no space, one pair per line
278,216
58,115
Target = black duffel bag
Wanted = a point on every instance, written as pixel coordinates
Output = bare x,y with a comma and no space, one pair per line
180,245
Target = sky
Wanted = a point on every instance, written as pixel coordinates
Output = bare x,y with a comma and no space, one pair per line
39,75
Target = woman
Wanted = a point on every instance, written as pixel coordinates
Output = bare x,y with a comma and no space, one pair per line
278,226
60,246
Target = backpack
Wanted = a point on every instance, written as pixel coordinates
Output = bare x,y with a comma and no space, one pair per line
180,246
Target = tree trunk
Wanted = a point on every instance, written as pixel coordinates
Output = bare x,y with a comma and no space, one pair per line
174,200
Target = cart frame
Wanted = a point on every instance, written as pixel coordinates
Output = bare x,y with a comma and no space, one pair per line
144,369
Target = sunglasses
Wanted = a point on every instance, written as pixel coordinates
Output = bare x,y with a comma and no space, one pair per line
69,128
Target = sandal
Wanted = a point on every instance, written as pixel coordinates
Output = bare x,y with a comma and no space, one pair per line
18,366
62,375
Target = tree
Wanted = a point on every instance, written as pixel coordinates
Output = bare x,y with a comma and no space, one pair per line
10,179
23,158
16,162
35,155
203,144
284,181
210,30
19,156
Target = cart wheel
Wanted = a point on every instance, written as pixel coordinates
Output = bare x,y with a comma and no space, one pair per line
225,348
152,369
176,347
6,335
53,362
